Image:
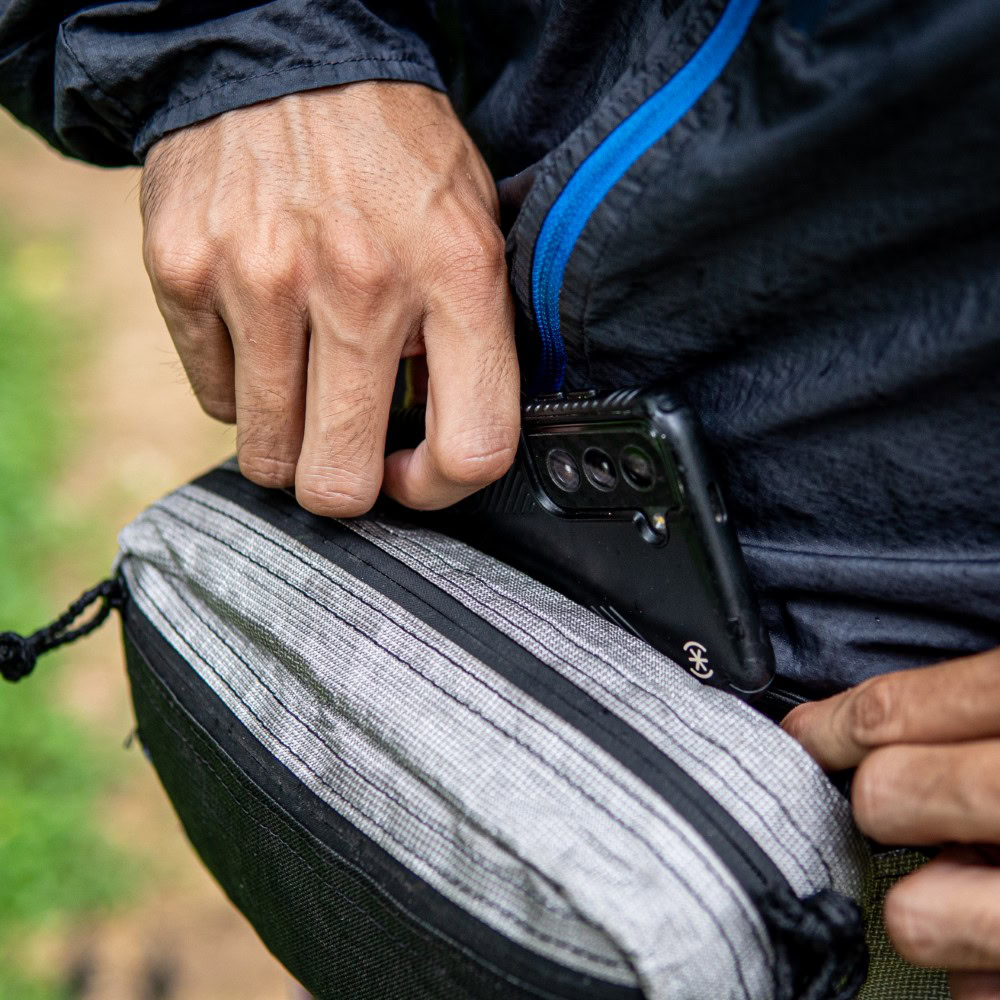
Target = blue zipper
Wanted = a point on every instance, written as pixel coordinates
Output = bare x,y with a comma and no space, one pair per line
605,166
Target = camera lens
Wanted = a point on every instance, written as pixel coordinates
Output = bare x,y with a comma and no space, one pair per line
600,469
564,471
637,468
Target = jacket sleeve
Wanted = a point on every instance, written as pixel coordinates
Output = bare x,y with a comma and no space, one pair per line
104,81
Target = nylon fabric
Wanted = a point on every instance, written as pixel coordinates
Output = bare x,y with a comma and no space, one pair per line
795,256
818,940
798,260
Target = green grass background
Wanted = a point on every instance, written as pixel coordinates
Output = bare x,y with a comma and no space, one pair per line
55,867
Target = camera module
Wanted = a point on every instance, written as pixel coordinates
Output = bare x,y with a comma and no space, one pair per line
599,469
563,470
638,469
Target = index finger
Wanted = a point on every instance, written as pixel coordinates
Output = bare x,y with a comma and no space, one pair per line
950,702
473,405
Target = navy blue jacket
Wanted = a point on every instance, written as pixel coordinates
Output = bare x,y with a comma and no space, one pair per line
790,211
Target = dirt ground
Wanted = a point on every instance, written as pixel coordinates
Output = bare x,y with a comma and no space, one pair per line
141,434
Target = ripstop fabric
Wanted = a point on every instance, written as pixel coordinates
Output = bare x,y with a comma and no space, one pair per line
434,748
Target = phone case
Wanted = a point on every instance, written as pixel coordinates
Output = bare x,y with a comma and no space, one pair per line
665,564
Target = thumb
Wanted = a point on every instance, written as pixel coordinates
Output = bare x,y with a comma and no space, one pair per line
826,729
950,702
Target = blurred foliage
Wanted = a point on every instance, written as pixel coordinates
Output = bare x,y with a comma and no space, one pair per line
14,986
54,864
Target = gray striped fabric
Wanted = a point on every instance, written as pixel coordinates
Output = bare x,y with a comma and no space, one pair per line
499,804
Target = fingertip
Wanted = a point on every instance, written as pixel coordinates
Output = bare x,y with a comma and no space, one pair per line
473,466
267,447
879,798
396,475
945,913
808,724
331,503
796,722
409,481
413,480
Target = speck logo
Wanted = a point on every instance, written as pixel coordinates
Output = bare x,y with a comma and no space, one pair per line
698,658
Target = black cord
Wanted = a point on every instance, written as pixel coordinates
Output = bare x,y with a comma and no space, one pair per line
19,653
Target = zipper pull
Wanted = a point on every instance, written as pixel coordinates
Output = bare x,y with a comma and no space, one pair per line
19,653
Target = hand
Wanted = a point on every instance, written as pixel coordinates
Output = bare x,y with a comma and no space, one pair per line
297,249
926,744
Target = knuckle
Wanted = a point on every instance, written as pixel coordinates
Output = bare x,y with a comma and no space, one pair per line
263,415
873,711
263,447
184,270
361,267
477,252
484,244
346,422
356,339
795,722
478,458
270,276
345,427
334,492
267,470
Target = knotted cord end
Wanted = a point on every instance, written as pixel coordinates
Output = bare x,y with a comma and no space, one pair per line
19,653
17,656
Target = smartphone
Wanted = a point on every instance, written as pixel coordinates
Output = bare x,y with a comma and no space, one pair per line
613,502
